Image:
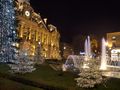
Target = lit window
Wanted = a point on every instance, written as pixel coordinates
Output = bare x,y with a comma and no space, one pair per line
64,47
113,37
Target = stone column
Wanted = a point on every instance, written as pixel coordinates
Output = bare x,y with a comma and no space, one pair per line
30,34
36,35
21,30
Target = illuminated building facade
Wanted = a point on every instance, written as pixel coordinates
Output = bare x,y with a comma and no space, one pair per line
113,39
33,29
113,43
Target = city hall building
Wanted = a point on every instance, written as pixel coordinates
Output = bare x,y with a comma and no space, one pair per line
34,32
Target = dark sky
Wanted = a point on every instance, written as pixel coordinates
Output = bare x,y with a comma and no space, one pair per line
74,17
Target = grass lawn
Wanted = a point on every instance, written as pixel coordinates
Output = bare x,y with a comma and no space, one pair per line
46,75
6,84
4,68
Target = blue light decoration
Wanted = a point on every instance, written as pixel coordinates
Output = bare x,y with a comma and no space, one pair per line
8,32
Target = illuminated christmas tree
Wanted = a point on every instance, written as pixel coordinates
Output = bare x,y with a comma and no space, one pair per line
25,62
38,58
90,76
19,59
8,34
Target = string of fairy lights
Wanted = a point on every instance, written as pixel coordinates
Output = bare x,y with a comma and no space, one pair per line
8,34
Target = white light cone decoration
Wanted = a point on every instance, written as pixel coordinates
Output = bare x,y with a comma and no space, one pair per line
87,52
89,47
86,49
103,56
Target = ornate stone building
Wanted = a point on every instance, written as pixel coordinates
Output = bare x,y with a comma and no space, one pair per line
34,30
113,39
113,45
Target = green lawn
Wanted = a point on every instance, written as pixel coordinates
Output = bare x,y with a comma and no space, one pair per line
4,68
46,75
6,84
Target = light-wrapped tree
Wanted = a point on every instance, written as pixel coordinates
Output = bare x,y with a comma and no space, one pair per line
8,32
39,59
90,76
25,61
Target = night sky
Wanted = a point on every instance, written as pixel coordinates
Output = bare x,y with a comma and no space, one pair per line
74,17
